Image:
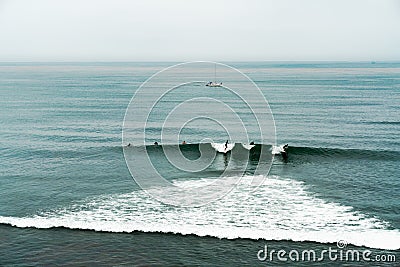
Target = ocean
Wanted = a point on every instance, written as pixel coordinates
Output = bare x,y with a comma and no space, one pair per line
67,196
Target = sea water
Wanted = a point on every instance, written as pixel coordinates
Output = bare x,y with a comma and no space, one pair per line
66,195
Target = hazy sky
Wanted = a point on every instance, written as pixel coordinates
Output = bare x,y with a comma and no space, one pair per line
181,30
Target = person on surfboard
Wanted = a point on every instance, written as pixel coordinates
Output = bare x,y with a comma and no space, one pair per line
284,152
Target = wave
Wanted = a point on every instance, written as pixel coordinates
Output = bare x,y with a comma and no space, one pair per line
280,209
383,122
338,153
296,152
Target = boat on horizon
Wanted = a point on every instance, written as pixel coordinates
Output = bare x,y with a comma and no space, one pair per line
214,83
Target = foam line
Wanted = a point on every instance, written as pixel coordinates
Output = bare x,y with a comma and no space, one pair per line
280,209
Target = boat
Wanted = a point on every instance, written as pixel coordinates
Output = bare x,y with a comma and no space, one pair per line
214,83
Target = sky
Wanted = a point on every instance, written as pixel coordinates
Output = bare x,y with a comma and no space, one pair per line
186,30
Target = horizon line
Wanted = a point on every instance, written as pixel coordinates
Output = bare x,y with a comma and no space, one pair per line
175,61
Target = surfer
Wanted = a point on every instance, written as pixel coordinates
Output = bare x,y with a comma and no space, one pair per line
284,152
226,145
156,143
184,142
129,144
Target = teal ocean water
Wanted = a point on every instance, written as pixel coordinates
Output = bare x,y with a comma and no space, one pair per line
67,196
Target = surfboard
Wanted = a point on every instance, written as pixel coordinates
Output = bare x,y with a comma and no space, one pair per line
221,147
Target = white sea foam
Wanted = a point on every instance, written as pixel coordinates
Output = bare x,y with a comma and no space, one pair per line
277,149
280,209
247,146
221,147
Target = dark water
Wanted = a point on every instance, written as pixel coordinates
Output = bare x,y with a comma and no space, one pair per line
63,172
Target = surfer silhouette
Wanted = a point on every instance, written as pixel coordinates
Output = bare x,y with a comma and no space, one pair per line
284,152
226,145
